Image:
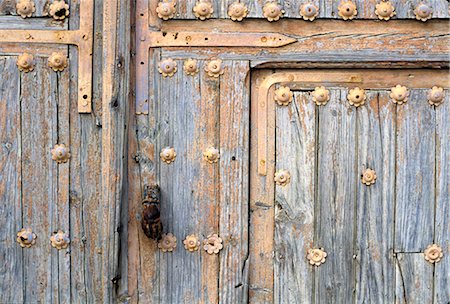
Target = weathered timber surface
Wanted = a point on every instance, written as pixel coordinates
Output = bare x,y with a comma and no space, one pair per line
294,203
191,114
18,23
328,40
415,174
8,7
376,136
442,222
234,183
336,198
11,270
413,279
327,8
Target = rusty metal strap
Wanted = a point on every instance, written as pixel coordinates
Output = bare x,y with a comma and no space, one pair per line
82,38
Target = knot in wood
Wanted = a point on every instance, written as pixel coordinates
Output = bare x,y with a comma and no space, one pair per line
26,238
385,10
59,10
436,96
60,240
347,10
25,62
320,96
399,94
309,11
57,62
356,97
25,8
166,10
237,11
273,11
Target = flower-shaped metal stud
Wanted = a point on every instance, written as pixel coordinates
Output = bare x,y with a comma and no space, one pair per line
399,94
283,96
25,62
211,155
191,67
436,96
423,12
59,10
320,96
273,11
309,11
316,256
433,253
191,243
167,67
347,10
356,97
26,238
282,177
237,11
368,177
166,9
385,10
60,240
60,154
212,244
214,68
203,9
168,243
168,155
25,8
57,61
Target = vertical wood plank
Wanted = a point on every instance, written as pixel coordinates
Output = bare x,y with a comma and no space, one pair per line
294,203
375,267
415,182
255,8
336,197
234,183
39,185
442,223
413,279
11,270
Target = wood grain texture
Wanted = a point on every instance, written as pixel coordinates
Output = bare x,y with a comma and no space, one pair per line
234,182
40,183
442,221
413,279
327,8
336,198
375,276
415,174
8,7
11,271
294,203
328,40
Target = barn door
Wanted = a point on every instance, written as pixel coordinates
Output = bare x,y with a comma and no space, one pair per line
348,187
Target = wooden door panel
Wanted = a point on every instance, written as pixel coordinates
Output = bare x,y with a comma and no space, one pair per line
326,149
327,8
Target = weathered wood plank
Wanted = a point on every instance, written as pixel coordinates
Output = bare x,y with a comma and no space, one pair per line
294,203
415,173
327,8
234,184
11,270
375,267
336,198
442,224
413,279
369,41
39,184
18,23
8,7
